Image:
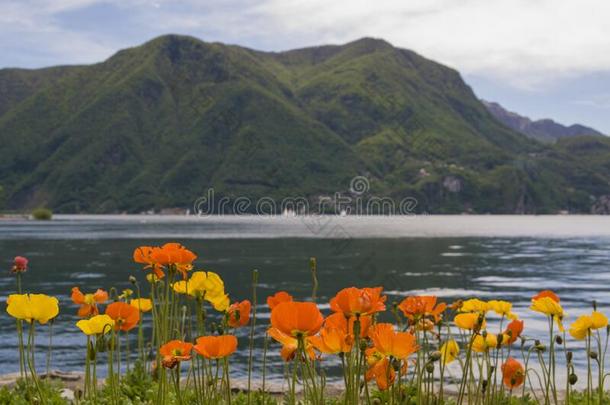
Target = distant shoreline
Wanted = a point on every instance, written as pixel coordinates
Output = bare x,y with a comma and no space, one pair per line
306,227
250,215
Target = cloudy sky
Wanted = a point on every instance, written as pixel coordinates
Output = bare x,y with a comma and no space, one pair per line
542,58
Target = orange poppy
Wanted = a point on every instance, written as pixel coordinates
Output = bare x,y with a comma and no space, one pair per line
419,307
278,297
388,342
513,373
125,316
239,314
354,301
170,254
143,255
174,352
332,341
546,293
382,372
174,254
339,321
216,347
88,302
297,318
515,328
290,344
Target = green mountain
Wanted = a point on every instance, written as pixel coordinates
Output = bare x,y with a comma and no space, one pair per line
158,125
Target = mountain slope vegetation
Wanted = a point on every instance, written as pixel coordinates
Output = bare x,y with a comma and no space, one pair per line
157,125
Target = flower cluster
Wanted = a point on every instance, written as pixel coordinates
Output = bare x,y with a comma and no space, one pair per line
478,346
170,256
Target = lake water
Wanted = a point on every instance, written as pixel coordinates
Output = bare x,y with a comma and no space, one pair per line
502,257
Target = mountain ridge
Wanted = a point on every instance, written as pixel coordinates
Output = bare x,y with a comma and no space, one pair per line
155,126
544,130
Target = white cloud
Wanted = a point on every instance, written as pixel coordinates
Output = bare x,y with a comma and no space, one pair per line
29,28
524,42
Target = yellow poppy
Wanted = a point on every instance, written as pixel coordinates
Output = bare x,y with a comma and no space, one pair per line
550,307
502,308
474,305
96,325
220,302
506,339
482,344
32,307
213,284
143,304
449,351
208,285
18,306
598,320
128,292
200,283
194,286
469,321
585,323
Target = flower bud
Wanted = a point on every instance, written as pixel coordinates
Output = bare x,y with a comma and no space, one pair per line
78,394
540,347
430,368
558,340
572,379
593,355
435,356
500,338
132,280
20,264
569,356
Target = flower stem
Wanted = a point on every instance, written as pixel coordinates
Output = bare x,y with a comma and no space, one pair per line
49,349
252,326
313,266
